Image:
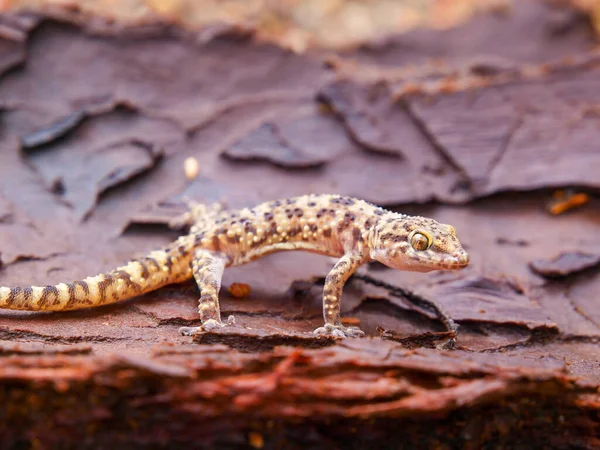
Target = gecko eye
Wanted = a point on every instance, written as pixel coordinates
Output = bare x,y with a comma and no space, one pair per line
419,241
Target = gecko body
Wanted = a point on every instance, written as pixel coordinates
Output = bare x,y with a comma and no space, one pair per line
352,230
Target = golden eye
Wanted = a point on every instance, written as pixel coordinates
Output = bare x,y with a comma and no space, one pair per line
420,241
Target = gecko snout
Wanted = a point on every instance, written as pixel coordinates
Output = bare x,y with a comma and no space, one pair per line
462,257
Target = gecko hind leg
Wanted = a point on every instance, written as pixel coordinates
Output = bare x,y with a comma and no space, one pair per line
208,270
332,296
197,216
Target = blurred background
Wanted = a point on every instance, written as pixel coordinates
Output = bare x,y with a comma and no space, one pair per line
299,24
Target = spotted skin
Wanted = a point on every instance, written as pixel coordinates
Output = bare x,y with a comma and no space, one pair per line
350,229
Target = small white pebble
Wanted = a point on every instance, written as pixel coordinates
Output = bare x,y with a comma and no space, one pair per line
191,168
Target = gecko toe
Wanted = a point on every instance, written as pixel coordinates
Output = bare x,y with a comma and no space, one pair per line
189,331
354,332
320,331
338,334
447,344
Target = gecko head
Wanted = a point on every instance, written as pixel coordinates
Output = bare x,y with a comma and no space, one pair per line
417,244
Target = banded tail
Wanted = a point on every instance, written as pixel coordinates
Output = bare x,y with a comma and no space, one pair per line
158,269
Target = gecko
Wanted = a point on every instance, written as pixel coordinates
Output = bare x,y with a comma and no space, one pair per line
352,230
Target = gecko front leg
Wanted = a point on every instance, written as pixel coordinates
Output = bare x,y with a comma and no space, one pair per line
332,296
208,268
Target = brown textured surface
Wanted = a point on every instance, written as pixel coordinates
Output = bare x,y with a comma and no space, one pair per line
295,23
95,128
565,264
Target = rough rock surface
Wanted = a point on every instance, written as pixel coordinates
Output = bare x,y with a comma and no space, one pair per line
97,121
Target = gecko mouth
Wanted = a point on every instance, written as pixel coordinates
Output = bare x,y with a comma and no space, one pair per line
457,261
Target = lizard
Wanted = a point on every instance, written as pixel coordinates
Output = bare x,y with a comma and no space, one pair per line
352,230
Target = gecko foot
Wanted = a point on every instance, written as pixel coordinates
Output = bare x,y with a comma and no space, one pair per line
339,331
207,326
447,344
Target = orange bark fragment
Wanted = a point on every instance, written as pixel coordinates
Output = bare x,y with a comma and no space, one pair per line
563,201
239,290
